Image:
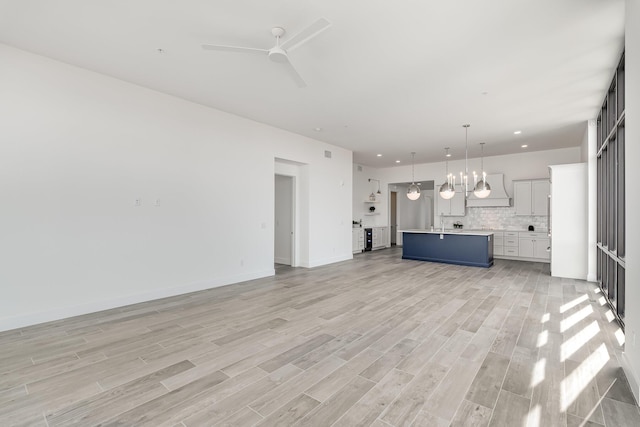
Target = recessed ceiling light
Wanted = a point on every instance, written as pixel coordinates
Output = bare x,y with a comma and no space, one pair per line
485,93
518,132
448,154
160,50
379,155
317,129
524,146
397,161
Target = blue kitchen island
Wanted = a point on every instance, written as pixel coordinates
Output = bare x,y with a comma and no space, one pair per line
473,248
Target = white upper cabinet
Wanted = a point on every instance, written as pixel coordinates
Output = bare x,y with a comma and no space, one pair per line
540,197
531,197
452,207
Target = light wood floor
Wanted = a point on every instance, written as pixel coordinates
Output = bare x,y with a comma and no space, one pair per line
374,341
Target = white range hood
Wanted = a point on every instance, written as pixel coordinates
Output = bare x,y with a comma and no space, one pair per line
498,196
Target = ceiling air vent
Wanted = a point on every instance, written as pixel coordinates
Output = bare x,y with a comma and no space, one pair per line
327,154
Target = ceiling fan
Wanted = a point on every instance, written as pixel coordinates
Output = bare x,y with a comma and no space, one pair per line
280,52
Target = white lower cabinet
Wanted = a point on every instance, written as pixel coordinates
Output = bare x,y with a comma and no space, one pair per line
357,240
525,245
380,237
534,245
511,243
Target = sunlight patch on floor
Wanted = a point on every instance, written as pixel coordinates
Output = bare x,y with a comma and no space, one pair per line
575,343
545,318
573,303
609,315
602,301
532,419
620,336
574,383
543,338
537,376
567,323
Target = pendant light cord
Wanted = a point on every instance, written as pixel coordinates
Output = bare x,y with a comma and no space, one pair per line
413,175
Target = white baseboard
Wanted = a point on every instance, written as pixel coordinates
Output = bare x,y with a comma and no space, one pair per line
591,278
331,260
632,376
286,261
58,313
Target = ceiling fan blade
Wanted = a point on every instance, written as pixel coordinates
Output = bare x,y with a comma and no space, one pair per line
305,35
234,49
294,74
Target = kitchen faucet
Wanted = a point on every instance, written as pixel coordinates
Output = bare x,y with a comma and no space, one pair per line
442,222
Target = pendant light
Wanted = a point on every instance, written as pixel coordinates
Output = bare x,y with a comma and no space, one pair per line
447,190
483,189
413,192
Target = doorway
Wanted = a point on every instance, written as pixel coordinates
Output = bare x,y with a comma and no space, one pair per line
284,215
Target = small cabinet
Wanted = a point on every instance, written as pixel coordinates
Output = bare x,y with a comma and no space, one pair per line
452,207
534,245
531,197
380,236
357,240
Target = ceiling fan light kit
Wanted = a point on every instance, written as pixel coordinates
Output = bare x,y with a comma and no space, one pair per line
280,52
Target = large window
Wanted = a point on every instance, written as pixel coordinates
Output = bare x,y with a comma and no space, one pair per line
610,182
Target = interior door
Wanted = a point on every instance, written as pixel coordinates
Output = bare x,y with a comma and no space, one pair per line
283,216
393,215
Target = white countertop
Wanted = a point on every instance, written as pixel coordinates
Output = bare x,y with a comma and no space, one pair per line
448,231
540,230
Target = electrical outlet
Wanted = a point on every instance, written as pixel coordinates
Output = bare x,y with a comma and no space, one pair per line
157,203
137,201
442,237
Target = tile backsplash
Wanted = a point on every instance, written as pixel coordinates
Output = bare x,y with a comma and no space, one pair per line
495,218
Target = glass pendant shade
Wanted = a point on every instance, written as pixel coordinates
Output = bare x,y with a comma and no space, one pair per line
413,192
482,190
447,191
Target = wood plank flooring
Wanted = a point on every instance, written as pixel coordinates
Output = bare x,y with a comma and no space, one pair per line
375,341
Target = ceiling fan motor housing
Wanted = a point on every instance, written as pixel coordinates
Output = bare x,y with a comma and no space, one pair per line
278,54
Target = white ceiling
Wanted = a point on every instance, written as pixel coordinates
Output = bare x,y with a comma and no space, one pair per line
388,77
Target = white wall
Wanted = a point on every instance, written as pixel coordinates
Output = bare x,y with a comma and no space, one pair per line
362,188
77,148
514,166
632,196
526,165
